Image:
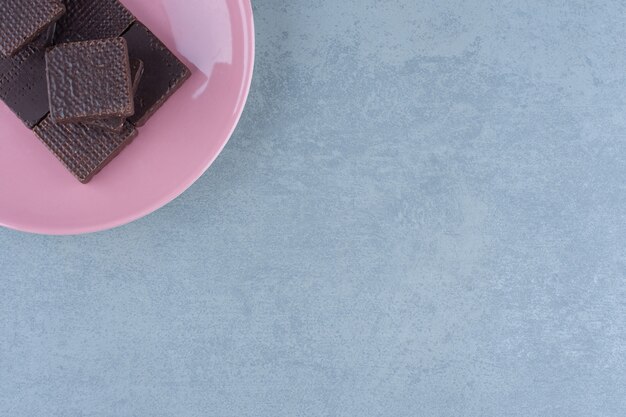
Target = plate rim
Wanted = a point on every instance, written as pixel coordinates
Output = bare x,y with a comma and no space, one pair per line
178,191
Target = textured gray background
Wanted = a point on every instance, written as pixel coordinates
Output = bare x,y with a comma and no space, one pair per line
422,213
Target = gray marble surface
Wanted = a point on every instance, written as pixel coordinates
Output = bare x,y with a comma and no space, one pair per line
422,213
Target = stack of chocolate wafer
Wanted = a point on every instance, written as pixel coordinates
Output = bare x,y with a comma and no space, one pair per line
83,75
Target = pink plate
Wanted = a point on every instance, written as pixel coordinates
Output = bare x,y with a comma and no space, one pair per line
216,39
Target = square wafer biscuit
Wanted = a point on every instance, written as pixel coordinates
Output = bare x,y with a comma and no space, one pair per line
89,80
92,19
83,149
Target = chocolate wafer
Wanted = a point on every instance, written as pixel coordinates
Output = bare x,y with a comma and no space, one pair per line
92,19
21,21
23,85
163,73
117,124
89,80
82,148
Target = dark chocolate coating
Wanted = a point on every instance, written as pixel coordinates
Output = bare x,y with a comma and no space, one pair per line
23,85
21,21
163,73
82,148
117,124
89,80
92,19
136,72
